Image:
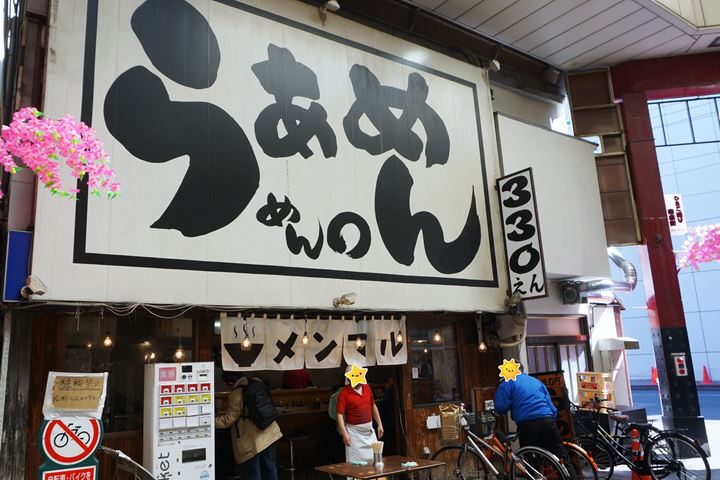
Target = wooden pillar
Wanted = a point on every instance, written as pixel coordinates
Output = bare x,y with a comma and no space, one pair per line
17,352
203,333
47,347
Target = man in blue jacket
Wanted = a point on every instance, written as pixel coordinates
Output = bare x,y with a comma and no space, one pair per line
529,402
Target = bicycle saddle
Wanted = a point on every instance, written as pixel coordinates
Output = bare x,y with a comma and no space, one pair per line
508,437
618,417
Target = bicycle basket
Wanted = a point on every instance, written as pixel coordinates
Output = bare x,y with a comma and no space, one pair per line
449,424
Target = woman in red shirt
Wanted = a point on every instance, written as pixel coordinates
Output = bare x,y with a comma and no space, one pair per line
356,410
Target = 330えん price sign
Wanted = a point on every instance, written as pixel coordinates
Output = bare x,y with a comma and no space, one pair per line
521,234
70,440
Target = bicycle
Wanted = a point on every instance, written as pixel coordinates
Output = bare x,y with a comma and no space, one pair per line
470,461
660,453
583,464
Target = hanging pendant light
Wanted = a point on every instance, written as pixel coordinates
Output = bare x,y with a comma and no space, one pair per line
246,344
305,339
437,338
399,337
179,354
107,341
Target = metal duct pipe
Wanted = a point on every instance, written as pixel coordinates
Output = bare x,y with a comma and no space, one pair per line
608,284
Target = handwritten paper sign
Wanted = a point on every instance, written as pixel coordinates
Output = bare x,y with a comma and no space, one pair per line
82,394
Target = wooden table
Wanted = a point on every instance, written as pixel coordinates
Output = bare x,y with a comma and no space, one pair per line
365,472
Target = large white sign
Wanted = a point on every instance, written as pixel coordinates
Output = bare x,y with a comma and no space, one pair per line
521,232
676,215
266,159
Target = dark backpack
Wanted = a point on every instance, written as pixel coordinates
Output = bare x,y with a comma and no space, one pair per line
257,404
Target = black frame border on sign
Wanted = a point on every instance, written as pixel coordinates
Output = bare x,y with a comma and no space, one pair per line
537,227
81,256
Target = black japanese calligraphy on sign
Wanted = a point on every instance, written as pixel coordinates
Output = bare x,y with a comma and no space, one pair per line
400,228
285,78
324,349
285,348
140,115
523,247
375,100
323,353
297,243
274,213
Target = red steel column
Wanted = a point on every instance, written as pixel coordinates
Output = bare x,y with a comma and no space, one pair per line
680,405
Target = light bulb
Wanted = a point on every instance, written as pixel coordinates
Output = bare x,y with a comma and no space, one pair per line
107,342
305,340
152,355
399,337
179,353
425,350
482,346
358,342
245,345
437,338
89,345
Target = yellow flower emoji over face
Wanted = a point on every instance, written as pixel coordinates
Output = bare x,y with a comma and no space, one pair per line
356,375
509,370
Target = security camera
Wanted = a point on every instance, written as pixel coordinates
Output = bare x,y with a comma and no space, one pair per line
494,66
332,5
344,300
33,286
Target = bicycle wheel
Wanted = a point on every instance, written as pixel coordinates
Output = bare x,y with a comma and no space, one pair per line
603,455
583,464
460,464
533,463
674,455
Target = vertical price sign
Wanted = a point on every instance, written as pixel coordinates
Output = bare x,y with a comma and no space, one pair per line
521,235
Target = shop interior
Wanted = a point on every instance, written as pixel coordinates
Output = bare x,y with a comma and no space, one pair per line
439,346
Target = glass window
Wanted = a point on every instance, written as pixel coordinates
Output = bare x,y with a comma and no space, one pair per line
135,342
434,362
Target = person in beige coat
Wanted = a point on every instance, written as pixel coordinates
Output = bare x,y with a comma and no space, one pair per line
253,448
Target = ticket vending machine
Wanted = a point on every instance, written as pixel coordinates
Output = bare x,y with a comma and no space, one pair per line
179,424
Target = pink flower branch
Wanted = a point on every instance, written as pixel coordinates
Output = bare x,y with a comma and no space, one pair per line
42,144
701,246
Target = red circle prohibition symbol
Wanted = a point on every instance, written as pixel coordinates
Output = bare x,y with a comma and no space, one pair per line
55,454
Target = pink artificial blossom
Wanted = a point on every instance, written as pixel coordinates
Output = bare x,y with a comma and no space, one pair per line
701,246
42,143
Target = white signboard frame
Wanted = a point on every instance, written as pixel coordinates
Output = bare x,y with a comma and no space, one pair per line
521,233
301,236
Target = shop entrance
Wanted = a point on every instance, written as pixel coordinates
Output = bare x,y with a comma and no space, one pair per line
559,343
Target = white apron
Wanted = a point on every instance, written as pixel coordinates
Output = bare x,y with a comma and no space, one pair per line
362,436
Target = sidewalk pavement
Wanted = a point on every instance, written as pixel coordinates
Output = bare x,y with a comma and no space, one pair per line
713,431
